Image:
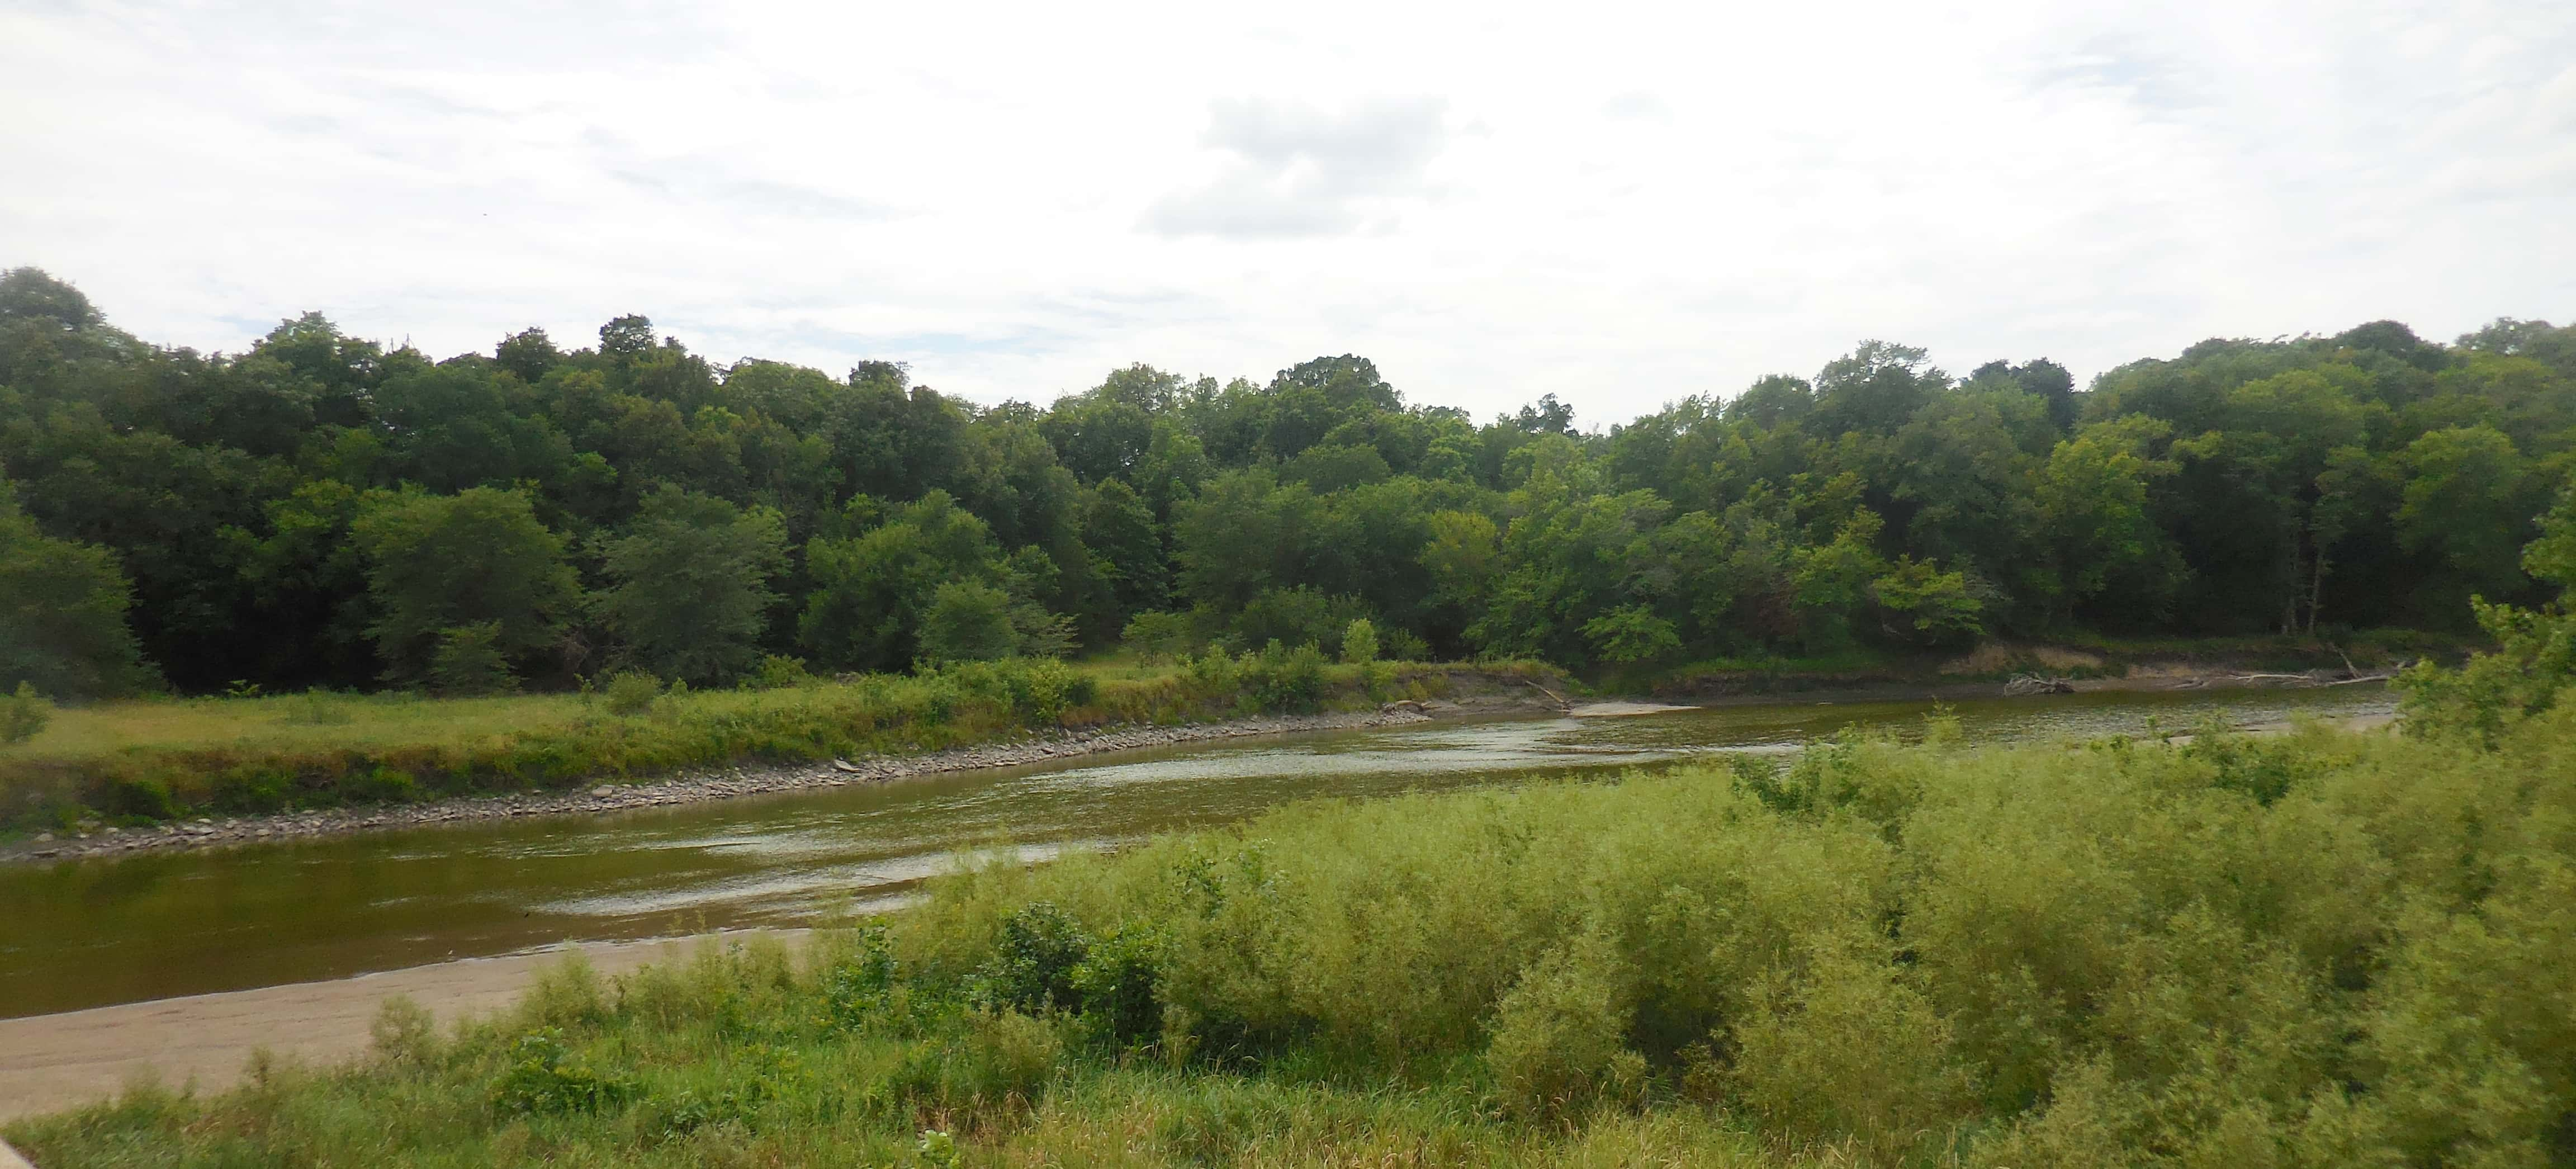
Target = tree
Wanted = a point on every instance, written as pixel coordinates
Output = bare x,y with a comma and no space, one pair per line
62,614
2465,501
1631,633
439,564
690,590
872,588
1937,607
2092,498
968,622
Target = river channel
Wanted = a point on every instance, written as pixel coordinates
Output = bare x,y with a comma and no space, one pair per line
89,933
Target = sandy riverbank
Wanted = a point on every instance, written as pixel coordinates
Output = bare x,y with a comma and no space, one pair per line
728,782
51,1062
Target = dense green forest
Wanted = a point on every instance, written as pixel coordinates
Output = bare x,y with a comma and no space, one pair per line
323,511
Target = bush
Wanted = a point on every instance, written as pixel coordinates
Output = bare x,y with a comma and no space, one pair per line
780,672
1359,642
1160,637
1032,969
1285,680
1404,645
544,1077
23,714
1560,1033
631,692
148,798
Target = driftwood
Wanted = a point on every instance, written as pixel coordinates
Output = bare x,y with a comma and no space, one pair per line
1560,700
2027,684
2351,675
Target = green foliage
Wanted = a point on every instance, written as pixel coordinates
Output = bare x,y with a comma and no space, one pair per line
320,510
1160,637
1281,679
691,591
780,672
968,622
544,1077
2532,666
1359,642
477,564
1938,607
2325,947
23,714
631,692
1631,633
62,613
469,661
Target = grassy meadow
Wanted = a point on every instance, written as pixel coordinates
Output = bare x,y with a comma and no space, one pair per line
2325,948
141,761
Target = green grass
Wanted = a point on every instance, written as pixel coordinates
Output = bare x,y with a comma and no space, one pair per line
149,760
2324,948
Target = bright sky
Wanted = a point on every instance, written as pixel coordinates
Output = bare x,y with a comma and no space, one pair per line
1620,204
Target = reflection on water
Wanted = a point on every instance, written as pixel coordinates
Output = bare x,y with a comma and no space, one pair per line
90,933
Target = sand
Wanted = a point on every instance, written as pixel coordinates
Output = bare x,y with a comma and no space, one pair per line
50,1062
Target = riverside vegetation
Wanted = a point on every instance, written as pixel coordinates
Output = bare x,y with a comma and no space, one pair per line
2319,949
323,511
135,763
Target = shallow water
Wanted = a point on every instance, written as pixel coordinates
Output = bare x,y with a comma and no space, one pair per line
96,932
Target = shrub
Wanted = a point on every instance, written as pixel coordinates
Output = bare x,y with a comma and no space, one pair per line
1359,642
780,672
1560,1033
631,692
1160,637
544,1077
1404,645
1119,980
148,798
23,714
1284,680
382,785
999,1057
1032,969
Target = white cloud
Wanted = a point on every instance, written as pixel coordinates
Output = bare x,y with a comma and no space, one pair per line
1620,208
1299,171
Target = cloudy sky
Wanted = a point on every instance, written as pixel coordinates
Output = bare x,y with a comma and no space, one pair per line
1618,204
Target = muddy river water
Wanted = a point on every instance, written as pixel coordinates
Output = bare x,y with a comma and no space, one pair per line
95,932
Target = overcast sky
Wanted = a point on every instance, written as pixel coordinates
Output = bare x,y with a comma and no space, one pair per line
1618,204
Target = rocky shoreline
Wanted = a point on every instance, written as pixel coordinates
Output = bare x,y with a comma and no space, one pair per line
698,785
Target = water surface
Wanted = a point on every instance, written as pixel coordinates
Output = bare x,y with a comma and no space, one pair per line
94,932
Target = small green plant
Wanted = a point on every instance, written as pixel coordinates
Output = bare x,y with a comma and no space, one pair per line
545,1078
241,688
23,714
631,692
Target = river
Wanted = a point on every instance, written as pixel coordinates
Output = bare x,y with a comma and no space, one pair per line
89,933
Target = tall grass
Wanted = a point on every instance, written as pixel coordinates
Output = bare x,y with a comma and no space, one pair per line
142,761
2324,948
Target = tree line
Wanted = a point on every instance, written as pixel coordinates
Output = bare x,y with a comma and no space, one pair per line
321,510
